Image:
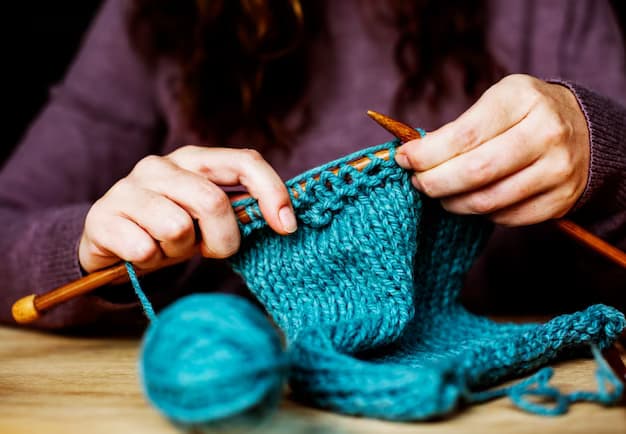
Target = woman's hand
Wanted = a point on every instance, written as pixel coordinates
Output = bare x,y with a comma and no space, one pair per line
147,217
520,154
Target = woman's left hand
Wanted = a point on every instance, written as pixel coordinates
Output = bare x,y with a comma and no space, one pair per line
520,154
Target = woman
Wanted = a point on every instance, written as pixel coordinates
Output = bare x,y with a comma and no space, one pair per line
101,174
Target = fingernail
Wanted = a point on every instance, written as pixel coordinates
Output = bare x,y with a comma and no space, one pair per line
402,161
287,219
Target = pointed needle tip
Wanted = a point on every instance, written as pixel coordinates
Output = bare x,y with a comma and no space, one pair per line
374,115
398,129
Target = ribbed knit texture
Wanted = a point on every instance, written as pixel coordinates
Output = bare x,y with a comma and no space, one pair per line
366,291
607,134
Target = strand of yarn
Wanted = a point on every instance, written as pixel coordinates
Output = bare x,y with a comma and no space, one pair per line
145,303
538,385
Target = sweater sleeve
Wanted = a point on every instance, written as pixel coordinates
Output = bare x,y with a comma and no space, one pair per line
99,121
602,206
606,120
590,60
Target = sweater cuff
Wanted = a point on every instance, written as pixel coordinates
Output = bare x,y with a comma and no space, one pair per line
54,257
53,262
606,121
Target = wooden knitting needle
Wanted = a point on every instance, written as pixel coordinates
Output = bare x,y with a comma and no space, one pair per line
406,133
359,164
30,308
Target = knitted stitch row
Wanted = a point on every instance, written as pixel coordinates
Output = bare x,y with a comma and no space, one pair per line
367,294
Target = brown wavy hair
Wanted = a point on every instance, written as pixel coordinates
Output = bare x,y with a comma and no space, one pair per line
246,63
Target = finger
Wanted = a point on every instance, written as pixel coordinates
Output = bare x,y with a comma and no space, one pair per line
520,186
533,210
202,200
499,157
161,218
245,167
497,110
121,238
210,205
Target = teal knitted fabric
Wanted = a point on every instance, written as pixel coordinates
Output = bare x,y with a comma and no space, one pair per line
367,294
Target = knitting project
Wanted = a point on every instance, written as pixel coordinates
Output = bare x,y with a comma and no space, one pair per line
367,294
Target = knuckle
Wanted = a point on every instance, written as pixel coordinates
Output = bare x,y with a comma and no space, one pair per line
143,252
562,169
183,151
557,131
225,246
534,97
532,90
99,227
529,88
478,169
215,201
121,187
179,229
570,195
94,249
482,203
514,78
91,244
468,136
251,156
519,80
149,164
96,212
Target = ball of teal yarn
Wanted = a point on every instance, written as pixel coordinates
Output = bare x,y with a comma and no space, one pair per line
211,357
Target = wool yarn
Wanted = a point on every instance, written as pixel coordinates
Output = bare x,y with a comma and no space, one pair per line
366,292
210,357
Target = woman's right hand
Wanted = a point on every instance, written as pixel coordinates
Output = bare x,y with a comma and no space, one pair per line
147,217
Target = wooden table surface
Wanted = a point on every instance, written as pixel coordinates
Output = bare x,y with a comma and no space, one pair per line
54,384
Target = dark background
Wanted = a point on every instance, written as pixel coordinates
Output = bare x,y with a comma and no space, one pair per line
42,38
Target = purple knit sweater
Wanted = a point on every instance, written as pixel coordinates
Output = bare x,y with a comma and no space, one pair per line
109,112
